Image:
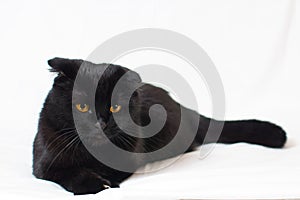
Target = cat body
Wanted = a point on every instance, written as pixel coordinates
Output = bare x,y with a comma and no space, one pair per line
60,155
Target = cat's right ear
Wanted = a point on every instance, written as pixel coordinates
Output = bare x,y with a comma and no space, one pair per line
66,67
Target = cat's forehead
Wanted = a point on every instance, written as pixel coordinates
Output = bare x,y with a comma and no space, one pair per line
92,74
100,72
100,78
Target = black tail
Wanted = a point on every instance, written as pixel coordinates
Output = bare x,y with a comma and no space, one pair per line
250,131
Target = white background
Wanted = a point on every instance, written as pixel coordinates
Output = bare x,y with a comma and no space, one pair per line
254,44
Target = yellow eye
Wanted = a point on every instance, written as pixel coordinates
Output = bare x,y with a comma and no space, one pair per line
115,108
82,107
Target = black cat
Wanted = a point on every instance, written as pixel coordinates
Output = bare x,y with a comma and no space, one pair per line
60,155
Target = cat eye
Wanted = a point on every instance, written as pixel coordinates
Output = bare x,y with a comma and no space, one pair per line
82,107
115,108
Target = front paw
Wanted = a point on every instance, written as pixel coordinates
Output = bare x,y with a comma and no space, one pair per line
89,183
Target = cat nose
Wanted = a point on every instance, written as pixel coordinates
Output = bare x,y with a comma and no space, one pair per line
97,125
101,124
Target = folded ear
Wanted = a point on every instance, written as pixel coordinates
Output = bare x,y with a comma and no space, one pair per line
66,67
132,76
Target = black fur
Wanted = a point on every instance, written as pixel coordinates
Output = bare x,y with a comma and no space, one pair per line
60,156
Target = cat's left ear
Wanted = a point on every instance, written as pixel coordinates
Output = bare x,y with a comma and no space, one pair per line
132,76
66,67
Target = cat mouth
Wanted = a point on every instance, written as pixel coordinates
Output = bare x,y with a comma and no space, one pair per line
94,141
97,139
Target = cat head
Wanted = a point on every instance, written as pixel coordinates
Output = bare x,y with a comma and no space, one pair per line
91,99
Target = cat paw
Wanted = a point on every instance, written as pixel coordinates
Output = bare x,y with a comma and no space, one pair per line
89,183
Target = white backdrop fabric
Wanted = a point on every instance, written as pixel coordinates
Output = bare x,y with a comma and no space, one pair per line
253,43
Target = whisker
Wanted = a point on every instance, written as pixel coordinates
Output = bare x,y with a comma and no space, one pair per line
64,129
69,144
60,136
126,141
60,142
78,141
